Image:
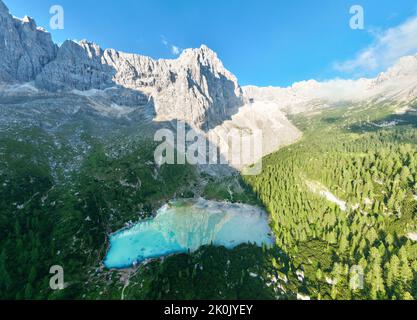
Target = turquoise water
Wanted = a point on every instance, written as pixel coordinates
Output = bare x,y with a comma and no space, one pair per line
185,225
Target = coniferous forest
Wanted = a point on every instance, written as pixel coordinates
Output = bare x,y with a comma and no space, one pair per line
342,205
358,243
125,161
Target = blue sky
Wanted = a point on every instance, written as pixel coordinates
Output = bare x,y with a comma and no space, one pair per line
263,42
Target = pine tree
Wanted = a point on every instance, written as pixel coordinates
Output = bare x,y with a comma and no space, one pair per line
392,269
374,278
406,274
5,279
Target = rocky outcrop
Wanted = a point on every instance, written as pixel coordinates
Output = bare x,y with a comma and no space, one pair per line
195,88
275,131
198,89
77,66
24,48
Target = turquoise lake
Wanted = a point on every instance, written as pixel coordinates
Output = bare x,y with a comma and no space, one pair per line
186,225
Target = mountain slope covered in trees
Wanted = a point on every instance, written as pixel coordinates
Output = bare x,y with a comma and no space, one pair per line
366,156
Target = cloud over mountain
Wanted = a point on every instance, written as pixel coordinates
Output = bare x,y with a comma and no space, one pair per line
388,46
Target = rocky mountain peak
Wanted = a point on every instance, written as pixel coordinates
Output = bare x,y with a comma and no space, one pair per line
203,55
195,87
78,65
207,58
3,8
405,67
30,22
92,49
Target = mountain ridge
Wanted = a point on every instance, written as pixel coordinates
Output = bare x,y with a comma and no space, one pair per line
398,83
195,87
25,48
192,87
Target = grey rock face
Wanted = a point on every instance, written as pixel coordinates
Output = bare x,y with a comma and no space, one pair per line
77,66
24,48
195,88
204,92
3,8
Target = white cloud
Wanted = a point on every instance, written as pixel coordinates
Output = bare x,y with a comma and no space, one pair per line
175,50
387,48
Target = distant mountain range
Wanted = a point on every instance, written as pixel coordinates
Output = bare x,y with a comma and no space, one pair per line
398,85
